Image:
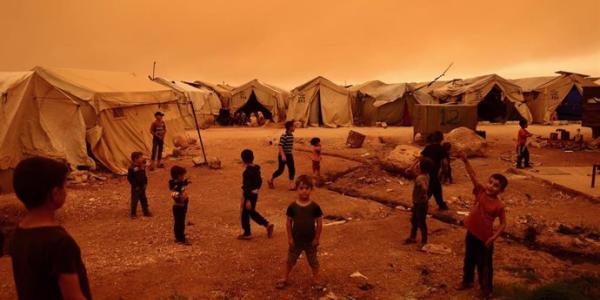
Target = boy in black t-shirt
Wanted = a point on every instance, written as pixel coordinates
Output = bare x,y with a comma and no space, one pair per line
136,176
251,183
304,225
177,185
46,259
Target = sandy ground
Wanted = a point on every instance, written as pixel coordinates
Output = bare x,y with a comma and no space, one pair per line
137,259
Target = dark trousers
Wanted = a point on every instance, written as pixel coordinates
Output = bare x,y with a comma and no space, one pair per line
446,174
478,255
138,194
419,221
289,161
251,213
157,148
522,154
435,189
1,243
179,212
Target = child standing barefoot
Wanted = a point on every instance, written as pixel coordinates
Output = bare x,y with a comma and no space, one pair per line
304,225
420,203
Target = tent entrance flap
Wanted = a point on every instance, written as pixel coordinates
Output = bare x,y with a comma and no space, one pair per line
315,117
253,106
571,107
492,108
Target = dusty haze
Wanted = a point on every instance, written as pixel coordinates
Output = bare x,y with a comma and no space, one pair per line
286,43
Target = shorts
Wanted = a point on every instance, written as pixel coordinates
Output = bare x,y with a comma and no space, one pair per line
310,252
316,166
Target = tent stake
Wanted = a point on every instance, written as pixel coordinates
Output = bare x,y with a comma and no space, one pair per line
198,130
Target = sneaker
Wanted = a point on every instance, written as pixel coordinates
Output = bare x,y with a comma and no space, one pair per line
270,229
244,237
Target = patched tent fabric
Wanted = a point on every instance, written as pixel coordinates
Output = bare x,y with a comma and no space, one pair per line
483,91
320,102
61,112
376,101
547,95
257,96
222,90
206,102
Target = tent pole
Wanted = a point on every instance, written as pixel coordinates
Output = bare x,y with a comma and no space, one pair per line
198,131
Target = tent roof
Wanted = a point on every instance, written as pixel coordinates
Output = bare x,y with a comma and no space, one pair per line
470,85
320,80
182,86
571,73
106,89
257,83
531,83
10,79
221,89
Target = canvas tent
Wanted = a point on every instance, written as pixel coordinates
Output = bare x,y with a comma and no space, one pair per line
73,114
376,101
561,94
206,103
497,99
222,90
256,96
320,102
443,117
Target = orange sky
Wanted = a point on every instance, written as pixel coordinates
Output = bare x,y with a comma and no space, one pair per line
288,42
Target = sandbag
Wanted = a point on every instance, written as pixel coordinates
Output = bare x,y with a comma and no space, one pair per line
401,159
466,140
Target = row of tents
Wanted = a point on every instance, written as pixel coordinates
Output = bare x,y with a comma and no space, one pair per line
84,117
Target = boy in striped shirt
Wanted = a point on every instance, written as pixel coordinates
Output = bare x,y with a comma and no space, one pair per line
285,156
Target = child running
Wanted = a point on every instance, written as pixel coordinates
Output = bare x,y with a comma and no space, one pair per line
420,203
315,156
252,182
304,225
285,155
522,151
46,260
479,243
177,185
138,180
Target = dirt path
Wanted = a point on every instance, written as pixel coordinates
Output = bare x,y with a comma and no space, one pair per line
137,259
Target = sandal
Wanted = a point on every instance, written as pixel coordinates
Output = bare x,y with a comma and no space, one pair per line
271,185
282,284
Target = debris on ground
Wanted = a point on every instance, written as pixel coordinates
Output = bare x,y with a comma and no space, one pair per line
466,140
330,296
436,249
80,177
358,274
355,139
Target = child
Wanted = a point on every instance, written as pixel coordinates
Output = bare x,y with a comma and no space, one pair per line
420,203
46,260
436,153
136,176
522,151
158,130
177,185
252,182
285,156
479,243
261,118
304,225
316,159
446,170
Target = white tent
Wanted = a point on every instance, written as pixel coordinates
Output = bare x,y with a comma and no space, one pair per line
320,102
63,113
258,96
206,102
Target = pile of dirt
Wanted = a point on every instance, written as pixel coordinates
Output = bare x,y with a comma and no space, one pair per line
466,140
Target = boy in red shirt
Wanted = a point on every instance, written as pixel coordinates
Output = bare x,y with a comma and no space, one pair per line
522,151
479,243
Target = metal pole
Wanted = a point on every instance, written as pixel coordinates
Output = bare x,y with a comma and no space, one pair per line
153,69
198,130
